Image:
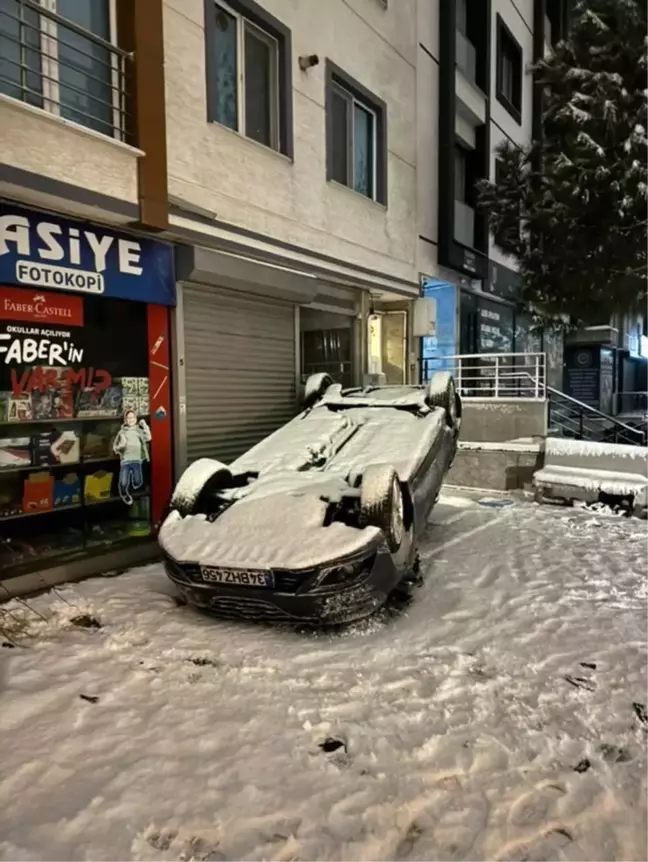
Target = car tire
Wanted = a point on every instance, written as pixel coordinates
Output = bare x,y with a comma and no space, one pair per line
203,473
442,392
316,386
382,504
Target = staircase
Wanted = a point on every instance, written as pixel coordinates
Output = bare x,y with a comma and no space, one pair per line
579,421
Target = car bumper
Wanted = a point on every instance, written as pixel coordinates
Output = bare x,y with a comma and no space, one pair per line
341,604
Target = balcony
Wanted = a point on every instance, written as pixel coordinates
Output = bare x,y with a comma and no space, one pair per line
63,101
464,224
471,101
466,57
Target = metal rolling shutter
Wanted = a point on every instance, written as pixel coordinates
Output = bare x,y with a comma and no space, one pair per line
240,370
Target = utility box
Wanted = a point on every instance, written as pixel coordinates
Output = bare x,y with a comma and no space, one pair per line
424,317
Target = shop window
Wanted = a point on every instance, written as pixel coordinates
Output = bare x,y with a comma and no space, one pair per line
356,148
327,345
248,72
75,438
62,60
509,71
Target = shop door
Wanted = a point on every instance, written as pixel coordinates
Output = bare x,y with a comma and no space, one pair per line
327,345
240,370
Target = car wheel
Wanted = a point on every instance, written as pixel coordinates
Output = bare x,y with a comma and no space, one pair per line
316,386
382,504
196,478
442,392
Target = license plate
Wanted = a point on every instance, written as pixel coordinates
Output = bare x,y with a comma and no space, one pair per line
237,577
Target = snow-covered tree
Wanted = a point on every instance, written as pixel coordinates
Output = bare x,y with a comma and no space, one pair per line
572,207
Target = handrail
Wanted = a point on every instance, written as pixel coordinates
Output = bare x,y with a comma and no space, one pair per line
76,28
586,408
591,409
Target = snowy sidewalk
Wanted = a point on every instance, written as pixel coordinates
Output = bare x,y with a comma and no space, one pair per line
501,715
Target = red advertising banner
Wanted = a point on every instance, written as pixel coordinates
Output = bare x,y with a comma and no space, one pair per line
36,306
160,410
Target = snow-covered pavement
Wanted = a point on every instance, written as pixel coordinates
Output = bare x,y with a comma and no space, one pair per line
499,715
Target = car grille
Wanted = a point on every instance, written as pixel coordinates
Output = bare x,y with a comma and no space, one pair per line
252,609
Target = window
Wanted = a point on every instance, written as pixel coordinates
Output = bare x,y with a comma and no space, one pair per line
509,71
356,136
64,493
460,175
503,244
248,68
62,60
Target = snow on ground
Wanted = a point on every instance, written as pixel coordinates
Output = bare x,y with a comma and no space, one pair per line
499,715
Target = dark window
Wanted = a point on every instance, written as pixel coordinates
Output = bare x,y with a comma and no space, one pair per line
249,82
356,145
505,246
509,71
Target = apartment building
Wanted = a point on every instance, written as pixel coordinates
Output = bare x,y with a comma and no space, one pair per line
474,90
201,201
292,181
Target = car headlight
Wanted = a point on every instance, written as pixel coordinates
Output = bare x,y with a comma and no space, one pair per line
337,576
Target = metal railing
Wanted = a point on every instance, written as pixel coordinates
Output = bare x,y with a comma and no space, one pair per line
52,63
569,417
493,375
632,402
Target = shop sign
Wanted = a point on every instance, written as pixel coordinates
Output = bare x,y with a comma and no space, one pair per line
495,328
583,374
35,307
46,252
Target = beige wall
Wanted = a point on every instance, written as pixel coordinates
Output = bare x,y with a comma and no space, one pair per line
252,186
34,140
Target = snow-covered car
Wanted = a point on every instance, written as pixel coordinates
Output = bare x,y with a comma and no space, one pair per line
320,521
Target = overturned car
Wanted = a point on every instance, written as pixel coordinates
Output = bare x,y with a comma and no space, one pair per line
320,521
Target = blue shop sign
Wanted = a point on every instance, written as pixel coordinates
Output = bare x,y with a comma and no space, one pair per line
437,351
44,251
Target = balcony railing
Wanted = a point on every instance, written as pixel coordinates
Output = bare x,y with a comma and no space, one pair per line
464,224
466,56
52,63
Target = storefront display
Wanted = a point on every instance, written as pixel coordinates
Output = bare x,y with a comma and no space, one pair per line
85,438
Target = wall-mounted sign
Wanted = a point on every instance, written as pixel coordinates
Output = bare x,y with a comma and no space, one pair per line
583,374
47,252
495,327
436,350
40,307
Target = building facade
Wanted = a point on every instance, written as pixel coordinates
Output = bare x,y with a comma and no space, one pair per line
292,186
475,90
201,202
87,289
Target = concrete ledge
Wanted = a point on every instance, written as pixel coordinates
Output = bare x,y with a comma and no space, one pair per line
496,466
491,420
123,558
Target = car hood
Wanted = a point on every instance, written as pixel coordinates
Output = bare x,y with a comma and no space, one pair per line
280,530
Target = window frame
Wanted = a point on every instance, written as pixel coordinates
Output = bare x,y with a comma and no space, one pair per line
340,83
49,75
352,103
504,248
265,27
509,47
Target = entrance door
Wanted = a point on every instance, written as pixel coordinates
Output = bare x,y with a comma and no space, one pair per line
394,346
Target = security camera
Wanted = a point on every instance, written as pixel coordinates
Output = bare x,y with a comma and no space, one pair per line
306,61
